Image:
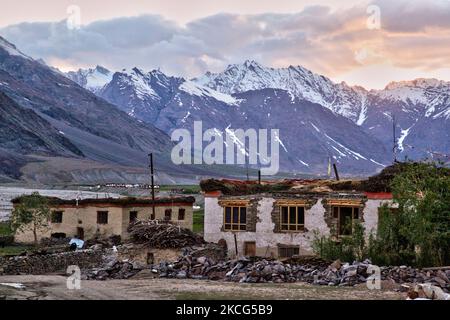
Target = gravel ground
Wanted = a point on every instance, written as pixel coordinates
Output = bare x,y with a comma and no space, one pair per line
53,287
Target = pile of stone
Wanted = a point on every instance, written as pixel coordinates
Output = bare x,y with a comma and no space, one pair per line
163,235
318,272
427,292
113,267
113,270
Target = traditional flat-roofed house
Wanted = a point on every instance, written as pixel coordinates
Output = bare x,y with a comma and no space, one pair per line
279,219
90,218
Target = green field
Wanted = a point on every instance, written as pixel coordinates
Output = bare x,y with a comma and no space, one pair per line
199,221
186,189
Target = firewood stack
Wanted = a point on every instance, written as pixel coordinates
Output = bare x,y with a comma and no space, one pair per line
159,235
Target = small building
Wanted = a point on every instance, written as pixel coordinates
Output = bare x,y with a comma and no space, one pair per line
102,218
281,219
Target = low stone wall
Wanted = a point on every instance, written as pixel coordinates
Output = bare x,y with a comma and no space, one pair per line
50,263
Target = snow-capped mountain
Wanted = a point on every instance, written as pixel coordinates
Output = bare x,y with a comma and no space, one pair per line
145,95
421,112
421,109
298,81
91,79
171,102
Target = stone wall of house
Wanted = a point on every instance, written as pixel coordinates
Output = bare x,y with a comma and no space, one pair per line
86,219
145,213
50,263
267,237
371,216
81,217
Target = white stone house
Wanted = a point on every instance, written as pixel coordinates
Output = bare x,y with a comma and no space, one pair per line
283,224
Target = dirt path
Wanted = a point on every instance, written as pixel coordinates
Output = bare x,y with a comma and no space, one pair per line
54,287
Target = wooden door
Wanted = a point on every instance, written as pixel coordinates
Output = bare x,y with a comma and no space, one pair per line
250,249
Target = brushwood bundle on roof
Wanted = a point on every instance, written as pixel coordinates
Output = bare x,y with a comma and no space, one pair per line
236,187
128,201
378,183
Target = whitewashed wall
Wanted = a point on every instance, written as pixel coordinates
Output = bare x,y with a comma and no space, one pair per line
266,240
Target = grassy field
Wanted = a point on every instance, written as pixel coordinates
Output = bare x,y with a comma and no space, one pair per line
199,221
13,250
187,189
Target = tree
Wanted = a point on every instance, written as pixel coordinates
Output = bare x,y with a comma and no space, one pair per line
32,212
418,231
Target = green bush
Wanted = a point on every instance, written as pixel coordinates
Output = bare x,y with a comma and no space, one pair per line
415,231
346,248
5,229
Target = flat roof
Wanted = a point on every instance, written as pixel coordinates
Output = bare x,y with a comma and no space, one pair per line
288,186
123,202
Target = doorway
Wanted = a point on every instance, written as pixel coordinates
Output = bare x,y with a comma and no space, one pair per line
80,233
250,249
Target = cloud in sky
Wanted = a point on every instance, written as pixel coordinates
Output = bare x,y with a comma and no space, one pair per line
414,35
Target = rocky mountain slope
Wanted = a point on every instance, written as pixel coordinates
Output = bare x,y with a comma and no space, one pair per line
49,115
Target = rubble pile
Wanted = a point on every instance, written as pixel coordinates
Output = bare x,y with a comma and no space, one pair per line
163,235
114,269
318,272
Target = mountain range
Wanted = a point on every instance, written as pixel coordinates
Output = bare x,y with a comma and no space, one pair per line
318,119
97,125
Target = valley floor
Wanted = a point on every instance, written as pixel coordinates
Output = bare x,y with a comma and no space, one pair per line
53,287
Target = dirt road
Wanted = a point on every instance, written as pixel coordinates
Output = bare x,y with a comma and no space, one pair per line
54,287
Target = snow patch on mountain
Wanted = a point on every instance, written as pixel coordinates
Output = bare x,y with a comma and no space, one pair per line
198,90
137,79
277,139
92,79
303,163
363,113
402,138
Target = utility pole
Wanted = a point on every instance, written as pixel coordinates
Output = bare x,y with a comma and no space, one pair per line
336,172
247,160
152,174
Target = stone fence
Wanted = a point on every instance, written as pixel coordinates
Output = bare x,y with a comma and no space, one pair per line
50,263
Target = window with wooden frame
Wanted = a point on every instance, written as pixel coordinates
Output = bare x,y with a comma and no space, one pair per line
346,216
288,251
168,215
181,214
292,218
102,217
57,217
235,218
